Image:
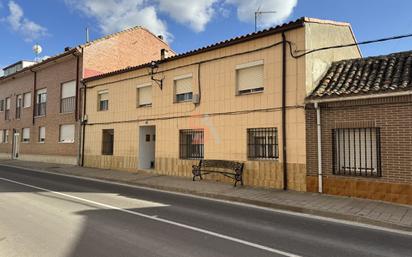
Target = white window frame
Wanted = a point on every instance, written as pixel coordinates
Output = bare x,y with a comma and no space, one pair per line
138,97
25,105
40,135
60,134
246,66
175,79
23,134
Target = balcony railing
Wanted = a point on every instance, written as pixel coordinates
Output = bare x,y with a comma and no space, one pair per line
18,112
40,109
67,104
7,115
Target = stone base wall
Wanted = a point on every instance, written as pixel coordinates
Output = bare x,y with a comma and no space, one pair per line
370,189
128,163
58,159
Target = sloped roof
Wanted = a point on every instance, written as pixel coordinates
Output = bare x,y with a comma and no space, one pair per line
372,75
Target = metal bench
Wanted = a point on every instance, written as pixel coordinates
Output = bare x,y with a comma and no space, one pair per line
230,169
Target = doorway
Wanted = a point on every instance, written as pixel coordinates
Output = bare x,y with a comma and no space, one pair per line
16,145
147,147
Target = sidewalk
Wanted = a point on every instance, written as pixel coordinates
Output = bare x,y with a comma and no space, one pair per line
352,209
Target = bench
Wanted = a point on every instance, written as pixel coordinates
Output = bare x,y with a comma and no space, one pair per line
230,169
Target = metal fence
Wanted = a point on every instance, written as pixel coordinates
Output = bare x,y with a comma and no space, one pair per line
67,104
356,152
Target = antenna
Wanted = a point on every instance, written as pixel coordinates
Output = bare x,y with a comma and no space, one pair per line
258,13
87,35
37,49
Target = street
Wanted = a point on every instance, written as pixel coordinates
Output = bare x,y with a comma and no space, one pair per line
50,215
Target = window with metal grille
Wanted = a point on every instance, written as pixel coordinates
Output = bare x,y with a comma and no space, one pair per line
263,143
103,101
356,151
68,97
108,142
192,144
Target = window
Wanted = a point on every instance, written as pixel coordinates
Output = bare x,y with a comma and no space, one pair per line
7,112
4,136
191,144
249,77
262,143
103,100
26,135
68,97
42,134
19,104
108,142
144,95
67,133
183,88
26,100
41,99
356,151
1,105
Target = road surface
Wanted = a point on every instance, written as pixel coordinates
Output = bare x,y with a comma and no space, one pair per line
50,215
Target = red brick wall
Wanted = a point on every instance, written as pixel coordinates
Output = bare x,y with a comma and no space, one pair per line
129,48
393,115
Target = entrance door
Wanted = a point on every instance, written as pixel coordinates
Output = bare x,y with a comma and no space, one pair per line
147,139
16,145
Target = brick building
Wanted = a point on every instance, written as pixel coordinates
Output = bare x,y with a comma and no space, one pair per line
364,117
241,99
40,103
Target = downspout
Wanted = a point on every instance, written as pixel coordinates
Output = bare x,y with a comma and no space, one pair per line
319,132
83,123
284,159
76,107
34,95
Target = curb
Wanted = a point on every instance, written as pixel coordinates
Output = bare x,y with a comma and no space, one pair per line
291,208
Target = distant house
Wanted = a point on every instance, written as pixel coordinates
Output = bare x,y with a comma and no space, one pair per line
362,109
40,103
241,99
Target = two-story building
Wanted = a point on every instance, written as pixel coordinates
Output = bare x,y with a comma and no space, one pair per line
240,99
40,103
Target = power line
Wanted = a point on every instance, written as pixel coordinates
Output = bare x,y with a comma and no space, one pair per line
347,45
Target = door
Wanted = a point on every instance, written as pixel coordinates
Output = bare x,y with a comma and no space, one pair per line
147,143
16,145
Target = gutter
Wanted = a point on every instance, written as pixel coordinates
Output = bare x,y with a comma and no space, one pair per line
319,144
284,152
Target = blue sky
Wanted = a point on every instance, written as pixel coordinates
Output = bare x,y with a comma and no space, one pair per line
188,24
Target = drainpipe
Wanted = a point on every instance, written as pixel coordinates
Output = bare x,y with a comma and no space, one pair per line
284,159
319,131
83,123
33,104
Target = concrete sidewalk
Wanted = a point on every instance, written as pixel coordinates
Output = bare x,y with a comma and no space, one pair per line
352,209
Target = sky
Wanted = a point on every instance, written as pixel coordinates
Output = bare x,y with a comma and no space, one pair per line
187,24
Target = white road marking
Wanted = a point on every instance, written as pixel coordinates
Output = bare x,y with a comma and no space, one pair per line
297,214
204,231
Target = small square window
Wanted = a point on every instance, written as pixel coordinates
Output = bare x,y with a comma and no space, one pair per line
192,144
103,97
183,89
250,77
263,143
67,133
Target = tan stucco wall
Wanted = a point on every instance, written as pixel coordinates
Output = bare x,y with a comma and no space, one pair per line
224,115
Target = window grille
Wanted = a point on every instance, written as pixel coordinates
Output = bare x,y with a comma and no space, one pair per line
192,144
263,143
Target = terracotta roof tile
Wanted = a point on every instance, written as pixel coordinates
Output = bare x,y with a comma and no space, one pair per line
379,74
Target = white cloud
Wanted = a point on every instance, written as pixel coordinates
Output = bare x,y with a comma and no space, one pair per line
29,29
116,15
246,10
196,14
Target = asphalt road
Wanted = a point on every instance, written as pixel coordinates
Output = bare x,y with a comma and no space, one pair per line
50,215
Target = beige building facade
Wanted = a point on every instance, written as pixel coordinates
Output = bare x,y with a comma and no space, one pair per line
241,99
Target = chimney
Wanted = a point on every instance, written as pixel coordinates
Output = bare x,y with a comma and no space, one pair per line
163,54
160,37
66,48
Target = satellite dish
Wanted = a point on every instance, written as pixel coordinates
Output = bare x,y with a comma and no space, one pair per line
37,49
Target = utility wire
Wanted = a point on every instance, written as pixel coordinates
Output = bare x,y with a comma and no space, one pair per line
347,45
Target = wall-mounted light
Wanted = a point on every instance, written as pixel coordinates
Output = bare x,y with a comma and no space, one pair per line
154,67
